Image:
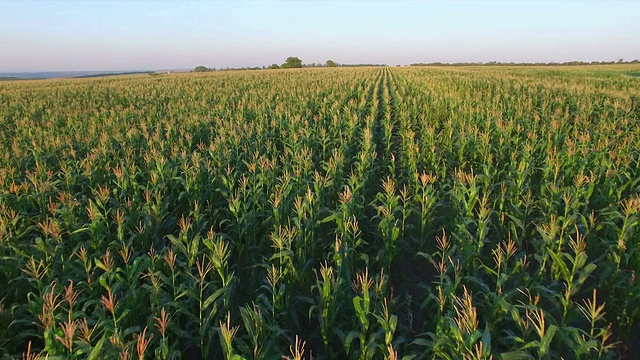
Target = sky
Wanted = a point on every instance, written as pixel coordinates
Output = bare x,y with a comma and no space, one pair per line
148,35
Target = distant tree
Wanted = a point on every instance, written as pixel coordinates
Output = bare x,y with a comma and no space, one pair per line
273,66
292,62
331,63
201,69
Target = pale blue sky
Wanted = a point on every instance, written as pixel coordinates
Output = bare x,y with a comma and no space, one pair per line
121,35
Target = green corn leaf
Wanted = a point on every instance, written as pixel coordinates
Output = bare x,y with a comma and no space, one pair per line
545,343
486,342
560,264
516,355
352,335
213,297
95,352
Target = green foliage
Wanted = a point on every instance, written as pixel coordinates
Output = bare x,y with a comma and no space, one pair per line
292,62
356,214
201,68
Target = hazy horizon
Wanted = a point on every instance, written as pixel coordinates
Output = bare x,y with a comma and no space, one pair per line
120,36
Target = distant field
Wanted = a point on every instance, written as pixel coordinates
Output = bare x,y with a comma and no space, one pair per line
361,213
64,74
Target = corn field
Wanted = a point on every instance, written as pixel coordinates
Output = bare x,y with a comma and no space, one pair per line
365,213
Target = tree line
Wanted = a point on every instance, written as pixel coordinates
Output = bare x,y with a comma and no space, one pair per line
620,61
292,62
